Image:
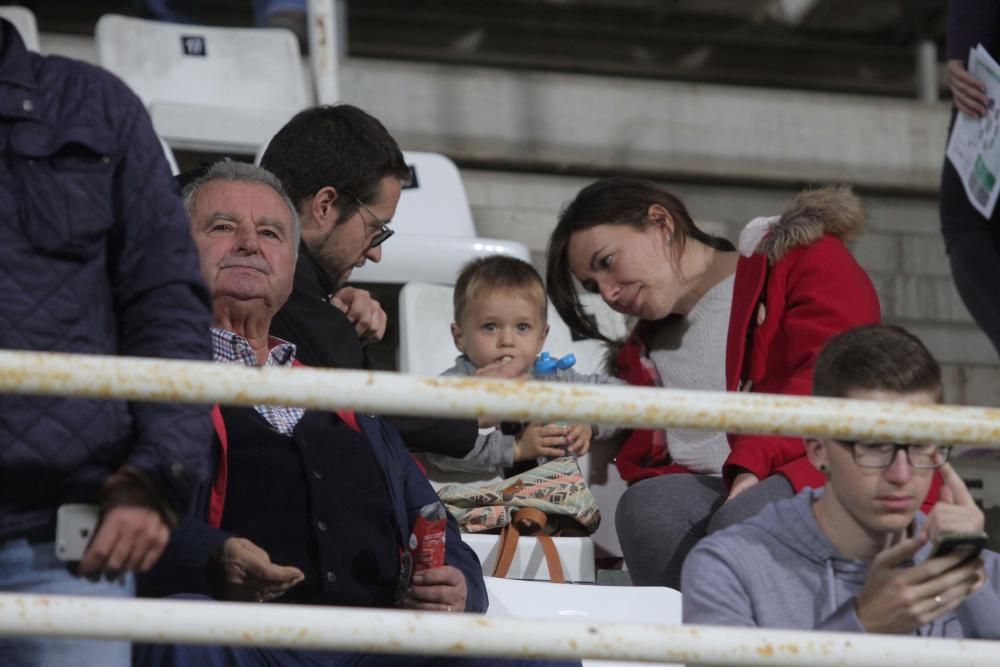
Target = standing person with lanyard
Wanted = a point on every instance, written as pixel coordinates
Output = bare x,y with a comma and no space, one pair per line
709,318
972,242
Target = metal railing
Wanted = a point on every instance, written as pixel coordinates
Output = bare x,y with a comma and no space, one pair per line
144,379
392,631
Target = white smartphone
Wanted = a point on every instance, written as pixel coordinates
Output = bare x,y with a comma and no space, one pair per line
75,528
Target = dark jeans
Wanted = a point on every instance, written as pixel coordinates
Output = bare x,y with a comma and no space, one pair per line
973,245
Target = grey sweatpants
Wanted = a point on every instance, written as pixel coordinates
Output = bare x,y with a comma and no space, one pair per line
660,520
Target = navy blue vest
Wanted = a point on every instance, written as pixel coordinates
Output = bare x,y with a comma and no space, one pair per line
316,500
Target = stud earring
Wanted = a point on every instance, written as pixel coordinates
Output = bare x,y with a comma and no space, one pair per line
822,467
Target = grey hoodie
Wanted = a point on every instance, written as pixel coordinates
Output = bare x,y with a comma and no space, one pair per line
778,570
493,449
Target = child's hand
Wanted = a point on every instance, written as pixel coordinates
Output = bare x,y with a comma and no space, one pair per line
540,440
508,369
579,438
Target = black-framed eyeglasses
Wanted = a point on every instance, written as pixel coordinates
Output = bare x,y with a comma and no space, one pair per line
882,454
384,231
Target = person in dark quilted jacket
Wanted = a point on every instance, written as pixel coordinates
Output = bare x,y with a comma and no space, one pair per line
96,258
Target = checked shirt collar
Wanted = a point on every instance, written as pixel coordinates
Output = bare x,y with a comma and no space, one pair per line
231,348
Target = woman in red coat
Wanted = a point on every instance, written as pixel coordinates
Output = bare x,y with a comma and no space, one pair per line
711,317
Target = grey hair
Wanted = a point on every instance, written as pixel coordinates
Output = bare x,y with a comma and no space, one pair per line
242,172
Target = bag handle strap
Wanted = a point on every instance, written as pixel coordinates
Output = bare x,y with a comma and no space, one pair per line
528,521
556,575
507,547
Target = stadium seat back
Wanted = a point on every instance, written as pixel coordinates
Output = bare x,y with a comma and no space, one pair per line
435,233
169,155
207,88
24,20
434,203
600,604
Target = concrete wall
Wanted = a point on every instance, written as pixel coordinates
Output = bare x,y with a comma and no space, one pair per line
769,142
902,251
558,121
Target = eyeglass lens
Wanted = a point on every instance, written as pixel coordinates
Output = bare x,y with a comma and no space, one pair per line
882,454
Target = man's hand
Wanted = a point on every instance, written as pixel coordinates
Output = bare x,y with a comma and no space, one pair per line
741,483
955,511
129,538
440,589
578,437
897,600
364,312
969,94
249,574
540,440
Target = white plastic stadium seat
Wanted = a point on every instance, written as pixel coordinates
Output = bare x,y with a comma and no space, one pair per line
207,88
435,203
602,604
576,555
24,20
169,154
435,234
425,316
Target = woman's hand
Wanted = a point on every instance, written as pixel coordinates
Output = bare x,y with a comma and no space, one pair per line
741,483
967,91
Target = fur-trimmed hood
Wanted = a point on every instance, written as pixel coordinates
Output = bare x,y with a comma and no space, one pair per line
829,210
832,209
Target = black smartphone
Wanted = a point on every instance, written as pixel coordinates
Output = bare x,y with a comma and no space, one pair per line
969,544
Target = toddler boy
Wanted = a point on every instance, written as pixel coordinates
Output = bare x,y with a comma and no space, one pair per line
500,328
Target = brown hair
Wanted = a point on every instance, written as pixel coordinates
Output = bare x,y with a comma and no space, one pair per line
498,273
876,357
611,201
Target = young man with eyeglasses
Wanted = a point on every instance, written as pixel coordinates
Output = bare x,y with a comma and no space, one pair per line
344,172
855,556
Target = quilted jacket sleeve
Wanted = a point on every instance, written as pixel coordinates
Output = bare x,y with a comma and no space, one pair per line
825,292
161,303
